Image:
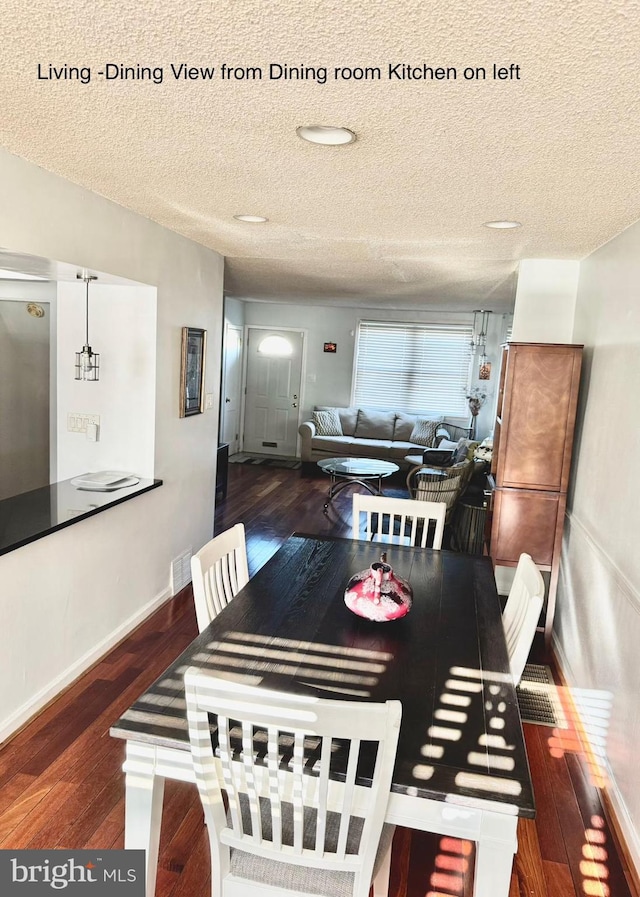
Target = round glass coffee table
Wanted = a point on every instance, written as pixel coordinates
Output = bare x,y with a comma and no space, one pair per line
363,471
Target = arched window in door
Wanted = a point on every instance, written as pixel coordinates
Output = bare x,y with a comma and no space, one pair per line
275,347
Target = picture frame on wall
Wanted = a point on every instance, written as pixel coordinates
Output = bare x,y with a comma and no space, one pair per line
194,345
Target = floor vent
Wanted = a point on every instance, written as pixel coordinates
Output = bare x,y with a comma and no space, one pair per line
539,699
181,572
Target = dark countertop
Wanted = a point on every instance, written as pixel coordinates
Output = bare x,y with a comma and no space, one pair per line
32,515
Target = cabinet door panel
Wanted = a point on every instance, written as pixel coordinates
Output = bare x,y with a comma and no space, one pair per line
538,421
525,520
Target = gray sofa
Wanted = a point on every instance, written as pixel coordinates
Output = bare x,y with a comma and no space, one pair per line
370,434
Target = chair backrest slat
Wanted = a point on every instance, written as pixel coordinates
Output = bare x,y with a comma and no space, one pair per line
273,763
323,793
251,791
219,570
226,753
388,519
298,797
347,798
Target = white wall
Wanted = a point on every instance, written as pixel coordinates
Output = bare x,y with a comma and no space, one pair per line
122,329
65,598
597,627
329,376
545,301
234,311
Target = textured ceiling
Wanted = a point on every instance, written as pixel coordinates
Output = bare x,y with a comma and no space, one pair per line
393,219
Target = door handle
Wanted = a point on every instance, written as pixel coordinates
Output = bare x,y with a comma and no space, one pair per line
294,404
227,400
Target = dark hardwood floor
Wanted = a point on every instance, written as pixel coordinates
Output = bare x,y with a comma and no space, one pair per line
61,783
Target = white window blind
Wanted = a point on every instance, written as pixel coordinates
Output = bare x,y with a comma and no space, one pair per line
413,367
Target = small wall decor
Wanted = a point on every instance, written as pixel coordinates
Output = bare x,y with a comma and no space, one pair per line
194,344
330,347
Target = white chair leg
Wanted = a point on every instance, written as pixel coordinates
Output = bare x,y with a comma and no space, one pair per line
381,881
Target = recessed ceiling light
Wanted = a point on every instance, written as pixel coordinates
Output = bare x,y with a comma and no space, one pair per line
252,219
326,135
502,225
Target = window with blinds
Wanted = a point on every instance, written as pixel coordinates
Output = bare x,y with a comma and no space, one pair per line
412,367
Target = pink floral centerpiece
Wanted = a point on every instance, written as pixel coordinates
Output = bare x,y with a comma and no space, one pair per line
378,594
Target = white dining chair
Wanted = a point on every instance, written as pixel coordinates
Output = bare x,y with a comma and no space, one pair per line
521,614
400,521
288,829
219,570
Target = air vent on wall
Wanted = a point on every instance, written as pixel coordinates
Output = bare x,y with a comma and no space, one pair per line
180,572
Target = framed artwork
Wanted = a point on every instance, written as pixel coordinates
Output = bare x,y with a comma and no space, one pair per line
194,345
330,347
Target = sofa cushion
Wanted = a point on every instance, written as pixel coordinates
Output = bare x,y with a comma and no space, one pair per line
370,448
339,445
402,449
403,426
424,431
375,424
348,417
327,422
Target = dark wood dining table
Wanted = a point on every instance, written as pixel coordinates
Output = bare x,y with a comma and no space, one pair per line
461,767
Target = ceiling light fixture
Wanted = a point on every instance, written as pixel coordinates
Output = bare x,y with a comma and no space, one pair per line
87,361
326,135
251,219
502,225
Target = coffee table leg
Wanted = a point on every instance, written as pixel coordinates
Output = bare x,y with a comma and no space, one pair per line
336,487
330,493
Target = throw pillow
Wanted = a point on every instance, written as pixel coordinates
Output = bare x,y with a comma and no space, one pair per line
465,450
327,422
424,431
348,417
447,444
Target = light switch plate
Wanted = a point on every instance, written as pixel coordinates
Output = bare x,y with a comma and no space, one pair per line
208,400
77,421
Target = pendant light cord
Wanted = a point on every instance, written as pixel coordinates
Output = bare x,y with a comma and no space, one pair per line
87,315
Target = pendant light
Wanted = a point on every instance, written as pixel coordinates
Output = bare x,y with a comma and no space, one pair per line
479,342
87,361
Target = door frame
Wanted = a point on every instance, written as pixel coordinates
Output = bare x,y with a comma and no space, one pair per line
245,364
228,325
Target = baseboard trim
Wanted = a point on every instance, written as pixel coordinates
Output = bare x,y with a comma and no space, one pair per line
23,715
625,836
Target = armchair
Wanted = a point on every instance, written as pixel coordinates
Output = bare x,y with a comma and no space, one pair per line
443,484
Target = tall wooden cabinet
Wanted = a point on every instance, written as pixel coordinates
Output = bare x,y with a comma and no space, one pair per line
533,441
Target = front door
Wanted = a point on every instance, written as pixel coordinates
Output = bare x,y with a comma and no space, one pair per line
272,405
232,387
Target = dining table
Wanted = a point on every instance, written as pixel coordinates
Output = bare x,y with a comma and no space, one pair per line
461,766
